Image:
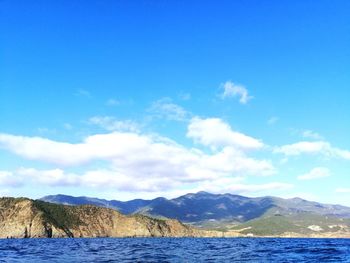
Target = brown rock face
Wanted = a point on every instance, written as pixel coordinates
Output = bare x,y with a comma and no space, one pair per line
20,218
25,218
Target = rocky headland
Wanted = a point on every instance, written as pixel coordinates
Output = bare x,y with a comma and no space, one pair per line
26,218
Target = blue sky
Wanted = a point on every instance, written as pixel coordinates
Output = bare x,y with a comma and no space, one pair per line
126,99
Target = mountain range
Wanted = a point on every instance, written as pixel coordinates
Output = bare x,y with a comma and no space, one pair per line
259,215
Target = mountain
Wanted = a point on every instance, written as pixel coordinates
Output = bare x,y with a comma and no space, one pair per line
25,218
212,210
127,207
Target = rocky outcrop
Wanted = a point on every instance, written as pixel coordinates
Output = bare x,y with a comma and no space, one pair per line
26,218
20,218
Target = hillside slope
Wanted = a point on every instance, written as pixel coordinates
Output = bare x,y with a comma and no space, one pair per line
296,225
25,218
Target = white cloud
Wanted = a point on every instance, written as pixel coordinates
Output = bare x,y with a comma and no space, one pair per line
284,160
111,179
67,126
96,147
165,108
54,177
233,90
185,96
341,153
83,93
303,147
311,135
112,102
231,161
46,131
216,133
272,120
133,161
317,147
9,179
343,190
315,173
101,179
225,185
112,124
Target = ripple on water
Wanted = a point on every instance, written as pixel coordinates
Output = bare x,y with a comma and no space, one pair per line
175,250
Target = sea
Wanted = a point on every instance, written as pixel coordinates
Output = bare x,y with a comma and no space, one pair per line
175,250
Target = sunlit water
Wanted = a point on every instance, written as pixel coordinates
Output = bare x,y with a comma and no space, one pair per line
175,250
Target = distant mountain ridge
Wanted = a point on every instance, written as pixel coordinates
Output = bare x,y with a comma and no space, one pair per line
210,210
125,207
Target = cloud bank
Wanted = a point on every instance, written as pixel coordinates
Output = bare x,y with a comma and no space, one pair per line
135,161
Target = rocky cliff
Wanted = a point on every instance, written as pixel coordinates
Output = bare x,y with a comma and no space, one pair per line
26,218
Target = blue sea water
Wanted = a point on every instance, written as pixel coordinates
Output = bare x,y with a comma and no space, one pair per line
175,250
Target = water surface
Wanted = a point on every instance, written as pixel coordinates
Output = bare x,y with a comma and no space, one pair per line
175,250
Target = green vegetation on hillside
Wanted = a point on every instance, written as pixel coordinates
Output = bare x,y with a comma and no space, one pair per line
59,215
8,201
302,223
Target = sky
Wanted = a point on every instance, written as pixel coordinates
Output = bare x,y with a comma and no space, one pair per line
140,99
